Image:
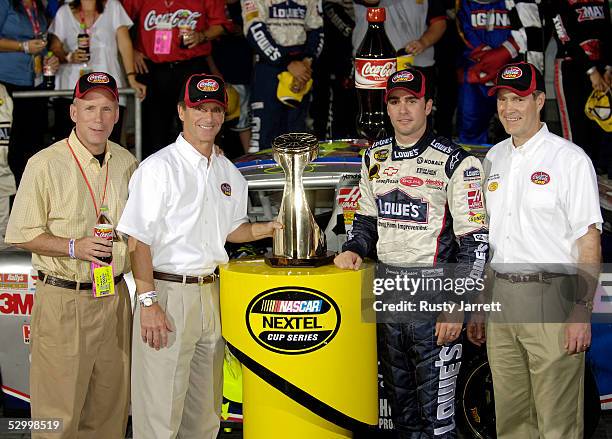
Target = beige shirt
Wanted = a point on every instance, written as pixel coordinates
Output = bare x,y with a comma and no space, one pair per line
53,198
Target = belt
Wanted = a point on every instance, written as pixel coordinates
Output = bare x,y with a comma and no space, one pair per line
533,277
69,284
184,279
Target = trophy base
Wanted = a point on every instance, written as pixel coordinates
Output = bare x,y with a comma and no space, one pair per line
282,261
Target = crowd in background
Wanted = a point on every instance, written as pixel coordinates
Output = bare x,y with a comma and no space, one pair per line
290,63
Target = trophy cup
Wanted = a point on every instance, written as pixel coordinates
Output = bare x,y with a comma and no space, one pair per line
300,242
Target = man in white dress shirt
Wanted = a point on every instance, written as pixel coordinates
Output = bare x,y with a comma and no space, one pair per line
544,220
185,202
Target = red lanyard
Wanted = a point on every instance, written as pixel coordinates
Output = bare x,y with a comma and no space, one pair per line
33,19
82,17
93,198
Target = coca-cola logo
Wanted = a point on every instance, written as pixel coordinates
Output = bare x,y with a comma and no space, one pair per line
512,72
98,78
208,85
403,76
376,71
181,17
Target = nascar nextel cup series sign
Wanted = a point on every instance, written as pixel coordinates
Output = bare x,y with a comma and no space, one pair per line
292,320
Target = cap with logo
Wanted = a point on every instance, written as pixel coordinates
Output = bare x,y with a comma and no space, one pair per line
201,88
411,80
521,78
95,81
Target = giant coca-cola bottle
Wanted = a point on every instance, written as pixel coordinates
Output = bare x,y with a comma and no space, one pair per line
375,61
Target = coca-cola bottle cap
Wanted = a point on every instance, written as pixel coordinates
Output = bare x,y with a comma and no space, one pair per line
376,15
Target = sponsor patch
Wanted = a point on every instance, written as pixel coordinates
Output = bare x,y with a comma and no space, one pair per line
396,205
382,142
390,171
454,160
493,186
401,154
13,281
25,330
436,184
472,173
381,155
421,160
373,172
474,185
426,171
474,199
411,181
226,189
208,85
477,218
540,178
481,237
98,78
293,320
403,76
348,199
512,72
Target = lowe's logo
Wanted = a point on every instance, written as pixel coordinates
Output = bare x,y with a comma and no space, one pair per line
287,10
397,205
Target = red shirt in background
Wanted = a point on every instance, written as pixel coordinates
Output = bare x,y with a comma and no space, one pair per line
199,14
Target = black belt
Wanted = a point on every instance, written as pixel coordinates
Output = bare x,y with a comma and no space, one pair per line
69,284
533,277
184,279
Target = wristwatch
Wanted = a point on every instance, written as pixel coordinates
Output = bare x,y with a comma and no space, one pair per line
588,304
147,299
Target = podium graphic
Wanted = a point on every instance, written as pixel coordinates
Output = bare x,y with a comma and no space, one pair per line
294,321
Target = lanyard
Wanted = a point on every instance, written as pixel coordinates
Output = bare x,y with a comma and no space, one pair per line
93,198
33,18
82,18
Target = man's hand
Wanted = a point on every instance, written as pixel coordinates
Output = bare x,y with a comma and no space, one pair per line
475,329
300,70
139,62
90,248
35,46
348,260
415,47
608,78
141,89
577,337
79,56
597,81
448,327
265,230
154,326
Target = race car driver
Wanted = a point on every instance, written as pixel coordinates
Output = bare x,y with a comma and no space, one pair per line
421,203
287,36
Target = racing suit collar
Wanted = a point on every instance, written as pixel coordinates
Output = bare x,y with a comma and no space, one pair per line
399,153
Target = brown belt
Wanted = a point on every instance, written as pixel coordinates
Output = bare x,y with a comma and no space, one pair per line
183,279
533,277
69,284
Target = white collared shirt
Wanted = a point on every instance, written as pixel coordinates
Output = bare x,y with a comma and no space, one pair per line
184,207
540,198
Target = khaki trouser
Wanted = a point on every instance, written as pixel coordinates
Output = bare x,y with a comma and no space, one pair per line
177,391
538,387
80,367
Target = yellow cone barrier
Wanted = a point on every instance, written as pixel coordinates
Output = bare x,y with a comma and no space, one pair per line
310,365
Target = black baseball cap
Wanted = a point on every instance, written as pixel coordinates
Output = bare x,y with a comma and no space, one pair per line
95,81
521,78
201,88
411,80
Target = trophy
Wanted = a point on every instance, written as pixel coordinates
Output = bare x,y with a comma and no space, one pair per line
300,242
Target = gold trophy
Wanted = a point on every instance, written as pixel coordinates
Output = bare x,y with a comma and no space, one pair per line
300,242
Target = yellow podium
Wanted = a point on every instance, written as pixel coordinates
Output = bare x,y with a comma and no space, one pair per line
310,364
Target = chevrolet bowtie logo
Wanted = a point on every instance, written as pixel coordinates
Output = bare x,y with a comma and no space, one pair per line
390,171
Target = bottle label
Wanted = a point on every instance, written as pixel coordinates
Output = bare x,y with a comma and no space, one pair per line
373,73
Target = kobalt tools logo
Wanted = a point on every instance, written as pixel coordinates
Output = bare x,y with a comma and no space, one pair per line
373,73
293,320
448,365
